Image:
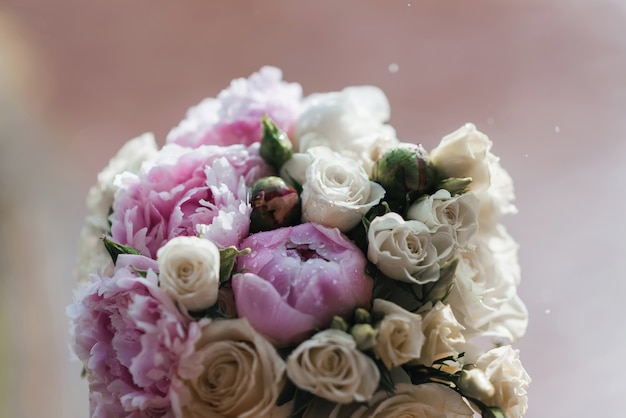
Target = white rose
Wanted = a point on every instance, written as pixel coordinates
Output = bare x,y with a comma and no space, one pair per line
464,153
406,250
442,333
92,254
484,297
336,192
467,153
189,271
441,208
504,370
350,122
330,366
474,383
428,400
400,336
234,372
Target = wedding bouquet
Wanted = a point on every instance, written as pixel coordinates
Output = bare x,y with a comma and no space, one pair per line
289,256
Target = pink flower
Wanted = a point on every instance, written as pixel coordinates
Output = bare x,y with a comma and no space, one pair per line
131,338
235,116
185,192
297,278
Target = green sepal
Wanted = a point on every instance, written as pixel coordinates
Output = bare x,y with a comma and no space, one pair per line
228,256
455,185
116,249
276,148
492,412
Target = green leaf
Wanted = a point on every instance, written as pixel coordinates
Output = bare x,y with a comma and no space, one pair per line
301,400
228,256
276,148
116,249
386,381
492,412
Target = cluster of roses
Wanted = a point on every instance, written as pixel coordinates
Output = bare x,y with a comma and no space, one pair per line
227,275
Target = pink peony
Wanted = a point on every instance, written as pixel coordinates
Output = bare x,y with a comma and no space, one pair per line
185,192
235,116
131,338
297,278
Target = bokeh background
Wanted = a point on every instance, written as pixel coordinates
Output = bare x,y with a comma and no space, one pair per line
546,80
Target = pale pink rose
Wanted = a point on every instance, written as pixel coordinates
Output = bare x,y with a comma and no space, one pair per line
297,278
185,192
235,116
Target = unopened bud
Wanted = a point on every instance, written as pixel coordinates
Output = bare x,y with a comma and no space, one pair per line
364,335
276,148
274,204
405,170
475,384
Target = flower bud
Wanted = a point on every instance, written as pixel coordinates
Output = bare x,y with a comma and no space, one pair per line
276,148
274,205
364,335
475,384
404,170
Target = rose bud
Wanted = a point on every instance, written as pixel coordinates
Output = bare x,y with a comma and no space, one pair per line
404,170
274,204
276,147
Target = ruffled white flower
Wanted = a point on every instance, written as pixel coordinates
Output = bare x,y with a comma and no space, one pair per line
407,250
189,271
505,372
484,297
336,192
350,122
92,254
442,332
330,366
400,336
441,208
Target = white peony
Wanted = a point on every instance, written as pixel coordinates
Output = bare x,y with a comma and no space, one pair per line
441,208
336,192
330,366
484,297
407,250
92,254
189,271
505,372
350,122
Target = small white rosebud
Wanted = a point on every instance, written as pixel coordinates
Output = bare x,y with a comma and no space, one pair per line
189,271
475,384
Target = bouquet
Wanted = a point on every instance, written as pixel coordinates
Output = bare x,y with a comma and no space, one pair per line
289,256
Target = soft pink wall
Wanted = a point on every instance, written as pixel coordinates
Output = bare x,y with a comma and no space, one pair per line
545,80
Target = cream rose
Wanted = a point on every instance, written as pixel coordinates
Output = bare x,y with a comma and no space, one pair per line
189,271
336,192
235,372
441,208
504,370
406,250
442,333
400,336
350,122
92,254
484,297
467,153
428,400
330,366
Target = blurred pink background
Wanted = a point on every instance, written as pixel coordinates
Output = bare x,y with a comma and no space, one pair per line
545,80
